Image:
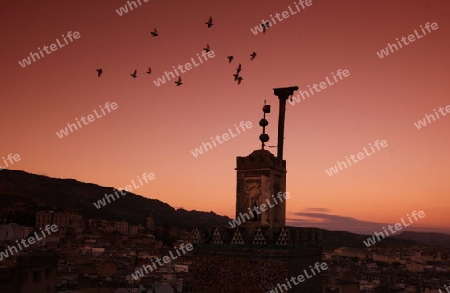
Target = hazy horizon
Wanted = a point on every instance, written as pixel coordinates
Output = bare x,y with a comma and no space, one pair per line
313,217
154,129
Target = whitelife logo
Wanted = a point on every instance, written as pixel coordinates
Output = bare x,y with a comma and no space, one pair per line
283,287
124,9
188,66
53,48
284,14
166,259
423,123
411,38
225,137
323,85
447,289
10,158
243,217
398,227
11,250
90,118
102,202
360,156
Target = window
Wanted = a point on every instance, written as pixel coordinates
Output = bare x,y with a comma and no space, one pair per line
36,276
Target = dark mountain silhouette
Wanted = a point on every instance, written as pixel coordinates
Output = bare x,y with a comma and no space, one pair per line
429,239
33,192
336,239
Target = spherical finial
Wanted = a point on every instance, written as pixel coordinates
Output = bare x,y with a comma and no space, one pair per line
263,123
264,138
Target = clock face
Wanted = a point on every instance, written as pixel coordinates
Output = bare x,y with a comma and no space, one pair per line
253,191
252,188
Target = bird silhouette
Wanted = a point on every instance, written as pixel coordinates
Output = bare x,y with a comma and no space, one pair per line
207,49
252,55
230,58
134,74
239,79
209,23
236,76
154,33
99,72
178,82
149,71
265,26
239,68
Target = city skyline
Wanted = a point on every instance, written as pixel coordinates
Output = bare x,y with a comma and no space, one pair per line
155,129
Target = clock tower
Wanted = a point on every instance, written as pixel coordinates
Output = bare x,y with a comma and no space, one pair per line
258,252
261,177
261,183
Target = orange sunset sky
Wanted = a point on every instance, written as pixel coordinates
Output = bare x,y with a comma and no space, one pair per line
154,129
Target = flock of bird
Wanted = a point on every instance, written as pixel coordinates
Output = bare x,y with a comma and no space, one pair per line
209,24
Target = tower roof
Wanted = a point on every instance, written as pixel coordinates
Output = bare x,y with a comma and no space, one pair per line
260,159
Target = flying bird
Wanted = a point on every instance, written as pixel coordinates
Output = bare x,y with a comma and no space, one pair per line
252,55
230,58
149,71
236,76
154,33
209,23
134,74
239,68
178,82
239,79
99,72
265,26
207,49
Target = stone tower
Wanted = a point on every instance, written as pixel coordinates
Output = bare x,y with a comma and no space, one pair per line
261,183
258,253
261,177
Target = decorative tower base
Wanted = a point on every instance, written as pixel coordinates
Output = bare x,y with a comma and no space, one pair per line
236,261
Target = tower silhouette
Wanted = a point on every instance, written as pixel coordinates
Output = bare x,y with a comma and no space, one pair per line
258,251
